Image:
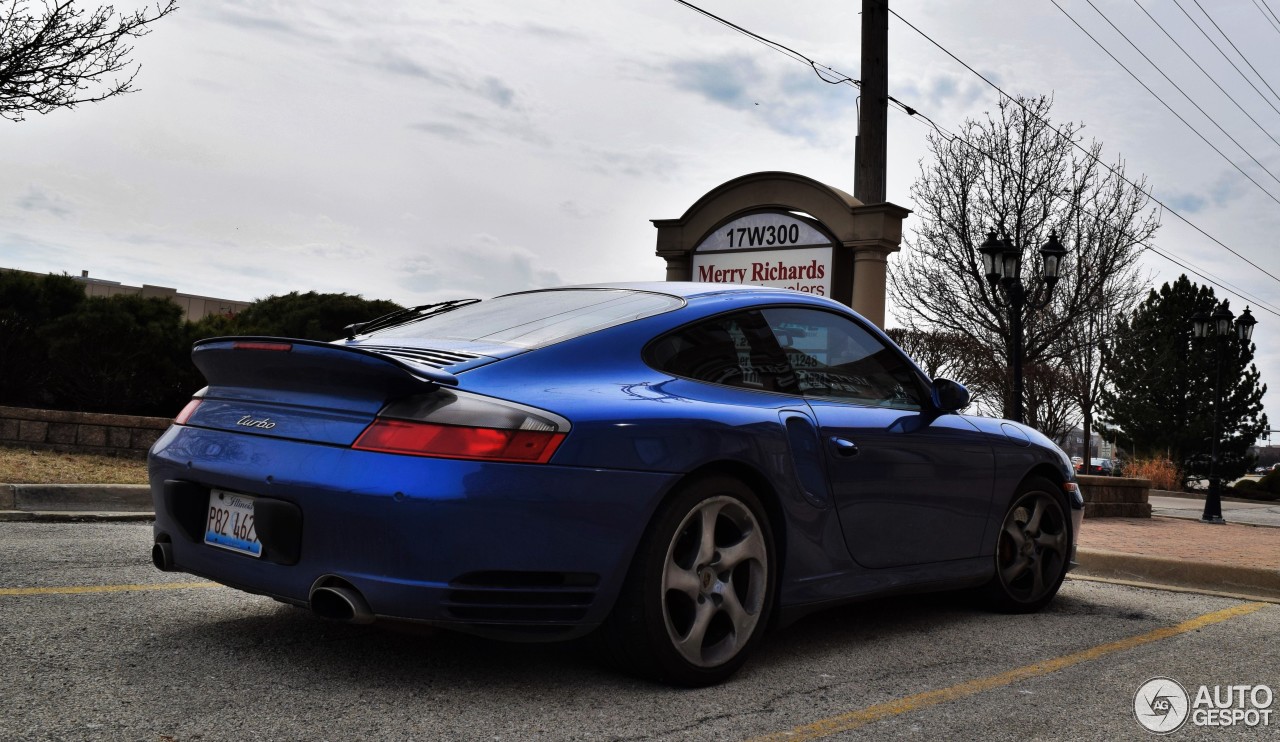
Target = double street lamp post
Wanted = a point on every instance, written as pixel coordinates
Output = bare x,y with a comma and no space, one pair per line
1219,326
1002,261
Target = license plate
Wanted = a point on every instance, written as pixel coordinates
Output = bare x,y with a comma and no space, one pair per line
230,523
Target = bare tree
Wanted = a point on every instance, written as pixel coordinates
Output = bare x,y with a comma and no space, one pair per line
1013,173
59,55
1050,401
935,352
956,357
1108,220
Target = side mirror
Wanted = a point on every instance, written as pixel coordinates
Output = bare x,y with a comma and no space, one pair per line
948,396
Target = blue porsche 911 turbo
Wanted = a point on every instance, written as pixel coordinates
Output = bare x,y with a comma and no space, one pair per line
678,466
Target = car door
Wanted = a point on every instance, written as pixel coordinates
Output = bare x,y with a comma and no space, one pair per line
911,486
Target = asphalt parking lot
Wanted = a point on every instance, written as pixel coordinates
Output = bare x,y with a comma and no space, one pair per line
97,644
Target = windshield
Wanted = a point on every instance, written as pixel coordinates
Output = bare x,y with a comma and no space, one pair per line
537,318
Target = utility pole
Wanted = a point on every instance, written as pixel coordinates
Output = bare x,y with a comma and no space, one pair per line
871,146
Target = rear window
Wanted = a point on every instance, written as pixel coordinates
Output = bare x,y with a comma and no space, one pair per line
537,318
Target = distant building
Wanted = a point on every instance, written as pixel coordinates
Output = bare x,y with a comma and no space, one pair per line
1266,455
1101,448
193,307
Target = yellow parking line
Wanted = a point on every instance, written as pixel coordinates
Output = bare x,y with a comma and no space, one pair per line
861,717
79,589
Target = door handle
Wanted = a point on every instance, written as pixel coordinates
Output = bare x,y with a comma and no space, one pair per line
843,447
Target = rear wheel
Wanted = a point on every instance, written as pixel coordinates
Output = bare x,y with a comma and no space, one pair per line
1033,550
700,588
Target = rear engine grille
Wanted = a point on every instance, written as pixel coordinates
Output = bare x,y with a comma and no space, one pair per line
425,356
521,597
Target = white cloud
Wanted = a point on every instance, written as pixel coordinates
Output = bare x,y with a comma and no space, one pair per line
481,266
37,199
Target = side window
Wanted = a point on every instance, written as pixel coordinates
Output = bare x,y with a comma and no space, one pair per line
832,356
736,350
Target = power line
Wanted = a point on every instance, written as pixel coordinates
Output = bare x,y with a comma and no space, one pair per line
824,72
1140,189
1177,115
1261,128
1184,94
1233,46
1230,61
946,134
784,50
1206,277
1187,265
1269,10
1266,13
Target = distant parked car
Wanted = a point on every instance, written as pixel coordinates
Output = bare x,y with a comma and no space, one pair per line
1099,468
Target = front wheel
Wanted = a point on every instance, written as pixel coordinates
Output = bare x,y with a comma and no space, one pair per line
700,588
1033,550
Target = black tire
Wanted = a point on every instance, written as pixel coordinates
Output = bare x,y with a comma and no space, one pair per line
700,589
1033,549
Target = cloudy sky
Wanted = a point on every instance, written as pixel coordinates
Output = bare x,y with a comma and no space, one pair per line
424,150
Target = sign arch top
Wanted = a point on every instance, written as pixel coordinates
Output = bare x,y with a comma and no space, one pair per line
864,234
768,190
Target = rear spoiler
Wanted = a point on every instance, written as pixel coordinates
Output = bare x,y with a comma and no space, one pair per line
310,366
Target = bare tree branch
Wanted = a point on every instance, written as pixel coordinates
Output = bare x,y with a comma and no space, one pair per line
1013,173
62,56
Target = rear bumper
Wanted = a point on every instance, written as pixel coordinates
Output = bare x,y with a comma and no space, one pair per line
505,549
1077,521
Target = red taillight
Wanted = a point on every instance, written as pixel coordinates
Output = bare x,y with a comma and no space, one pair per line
187,412
459,442
260,345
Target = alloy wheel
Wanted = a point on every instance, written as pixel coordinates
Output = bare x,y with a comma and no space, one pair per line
714,581
1032,551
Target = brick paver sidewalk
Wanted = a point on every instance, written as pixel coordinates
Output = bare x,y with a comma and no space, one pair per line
1178,538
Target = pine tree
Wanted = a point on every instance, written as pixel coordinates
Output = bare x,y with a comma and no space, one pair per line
1161,394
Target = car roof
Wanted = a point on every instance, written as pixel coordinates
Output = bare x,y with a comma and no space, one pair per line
682,289
691,289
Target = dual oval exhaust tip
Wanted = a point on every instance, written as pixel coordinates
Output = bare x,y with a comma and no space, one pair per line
162,556
336,600
331,597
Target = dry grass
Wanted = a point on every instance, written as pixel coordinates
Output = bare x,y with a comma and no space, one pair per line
1163,474
25,466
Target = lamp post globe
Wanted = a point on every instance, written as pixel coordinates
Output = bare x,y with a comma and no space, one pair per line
1011,256
1222,319
1002,266
1052,253
1244,325
1200,324
990,251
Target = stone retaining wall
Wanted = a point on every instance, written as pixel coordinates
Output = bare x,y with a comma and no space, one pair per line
80,432
1115,497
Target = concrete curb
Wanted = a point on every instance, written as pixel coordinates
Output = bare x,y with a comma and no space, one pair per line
71,516
114,498
1173,588
1209,576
